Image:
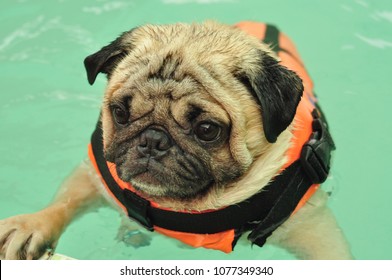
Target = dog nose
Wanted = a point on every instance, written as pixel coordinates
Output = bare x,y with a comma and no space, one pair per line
154,142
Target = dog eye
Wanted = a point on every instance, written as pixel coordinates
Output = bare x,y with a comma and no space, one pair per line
207,131
120,114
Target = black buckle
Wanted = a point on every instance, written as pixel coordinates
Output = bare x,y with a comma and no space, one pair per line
137,208
316,153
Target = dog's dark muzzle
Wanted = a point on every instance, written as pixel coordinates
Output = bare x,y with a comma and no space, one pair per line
154,143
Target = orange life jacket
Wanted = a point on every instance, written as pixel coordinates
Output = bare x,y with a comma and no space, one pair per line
307,166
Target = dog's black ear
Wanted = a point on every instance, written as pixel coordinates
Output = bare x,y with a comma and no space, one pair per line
106,59
278,90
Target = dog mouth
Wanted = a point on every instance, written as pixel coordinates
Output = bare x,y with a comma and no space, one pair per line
172,177
154,163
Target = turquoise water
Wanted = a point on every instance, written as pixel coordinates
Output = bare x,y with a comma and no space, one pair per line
48,110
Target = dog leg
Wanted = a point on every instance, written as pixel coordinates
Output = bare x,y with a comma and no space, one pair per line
29,236
313,233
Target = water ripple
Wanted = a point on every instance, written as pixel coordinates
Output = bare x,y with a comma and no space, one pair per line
23,32
386,15
362,3
107,7
93,101
375,42
40,25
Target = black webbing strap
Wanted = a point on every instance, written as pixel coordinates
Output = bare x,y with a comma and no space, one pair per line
97,147
272,39
293,189
254,209
235,216
261,214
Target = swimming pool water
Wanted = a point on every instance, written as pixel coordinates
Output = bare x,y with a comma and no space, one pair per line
48,110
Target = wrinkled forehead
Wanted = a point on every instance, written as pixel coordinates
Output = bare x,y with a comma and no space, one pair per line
170,65
168,88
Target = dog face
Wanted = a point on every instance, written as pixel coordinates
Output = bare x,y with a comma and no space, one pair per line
189,108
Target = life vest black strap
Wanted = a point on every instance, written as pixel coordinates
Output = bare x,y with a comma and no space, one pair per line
272,39
235,216
232,217
261,213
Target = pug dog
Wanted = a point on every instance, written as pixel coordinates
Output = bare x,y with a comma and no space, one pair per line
197,139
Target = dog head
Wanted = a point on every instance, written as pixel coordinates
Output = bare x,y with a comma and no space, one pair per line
188,109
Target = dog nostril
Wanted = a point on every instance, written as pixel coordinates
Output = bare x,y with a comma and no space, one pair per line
155,139
164,143
143,140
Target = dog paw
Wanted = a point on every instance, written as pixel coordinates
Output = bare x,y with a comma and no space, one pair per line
27,236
